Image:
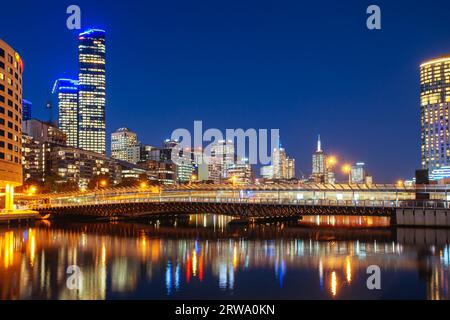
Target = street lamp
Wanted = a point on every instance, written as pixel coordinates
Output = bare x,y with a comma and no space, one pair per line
102,183
143,185
32,190
347,169
331,161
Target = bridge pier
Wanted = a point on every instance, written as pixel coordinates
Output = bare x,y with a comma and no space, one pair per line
422,217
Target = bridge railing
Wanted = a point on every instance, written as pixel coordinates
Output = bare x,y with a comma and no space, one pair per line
139,197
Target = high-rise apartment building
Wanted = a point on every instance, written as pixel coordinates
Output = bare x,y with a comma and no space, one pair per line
434,113
11,69
66,91
125,146
92,91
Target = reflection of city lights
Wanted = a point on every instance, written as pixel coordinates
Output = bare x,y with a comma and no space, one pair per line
169,278
194,263
188,270
321,273
32,245
334,283
200,269
103,254
8,249
348,270
235,257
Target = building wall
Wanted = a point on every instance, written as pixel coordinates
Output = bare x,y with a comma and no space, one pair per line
11,69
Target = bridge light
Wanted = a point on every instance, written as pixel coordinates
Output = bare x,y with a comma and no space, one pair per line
400,183
193,177
103,183
143,185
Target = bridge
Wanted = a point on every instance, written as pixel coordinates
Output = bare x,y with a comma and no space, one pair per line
271,201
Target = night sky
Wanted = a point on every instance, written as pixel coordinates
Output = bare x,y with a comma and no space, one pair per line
301,66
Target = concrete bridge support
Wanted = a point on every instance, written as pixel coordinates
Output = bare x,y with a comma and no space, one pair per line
423,217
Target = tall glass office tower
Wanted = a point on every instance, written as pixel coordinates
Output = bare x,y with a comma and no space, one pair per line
434,113
92,91
66,91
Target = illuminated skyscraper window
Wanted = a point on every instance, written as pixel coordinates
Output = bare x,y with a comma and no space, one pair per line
92,91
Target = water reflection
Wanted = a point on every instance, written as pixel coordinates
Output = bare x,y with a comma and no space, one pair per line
201,256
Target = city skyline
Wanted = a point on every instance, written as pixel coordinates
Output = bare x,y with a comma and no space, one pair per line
187,154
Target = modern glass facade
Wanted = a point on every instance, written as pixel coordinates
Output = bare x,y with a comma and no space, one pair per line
11,69
66,91
434,111
92,91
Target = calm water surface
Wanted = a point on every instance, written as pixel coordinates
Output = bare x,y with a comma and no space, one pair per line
201,256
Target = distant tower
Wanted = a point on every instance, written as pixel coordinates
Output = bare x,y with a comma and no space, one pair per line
279,163
66,91
92,91
318,164
26,110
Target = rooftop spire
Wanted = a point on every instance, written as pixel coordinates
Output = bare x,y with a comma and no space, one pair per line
319,145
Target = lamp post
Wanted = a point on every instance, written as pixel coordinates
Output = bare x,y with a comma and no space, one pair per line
347,169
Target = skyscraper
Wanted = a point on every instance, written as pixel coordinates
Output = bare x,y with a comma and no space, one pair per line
92,91
358,173
26,110
318,163
11,69
434,112
290,168
125,146
66,91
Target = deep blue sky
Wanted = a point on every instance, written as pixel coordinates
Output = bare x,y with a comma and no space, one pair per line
302,66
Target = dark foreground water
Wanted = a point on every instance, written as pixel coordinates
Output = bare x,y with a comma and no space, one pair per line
201,256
